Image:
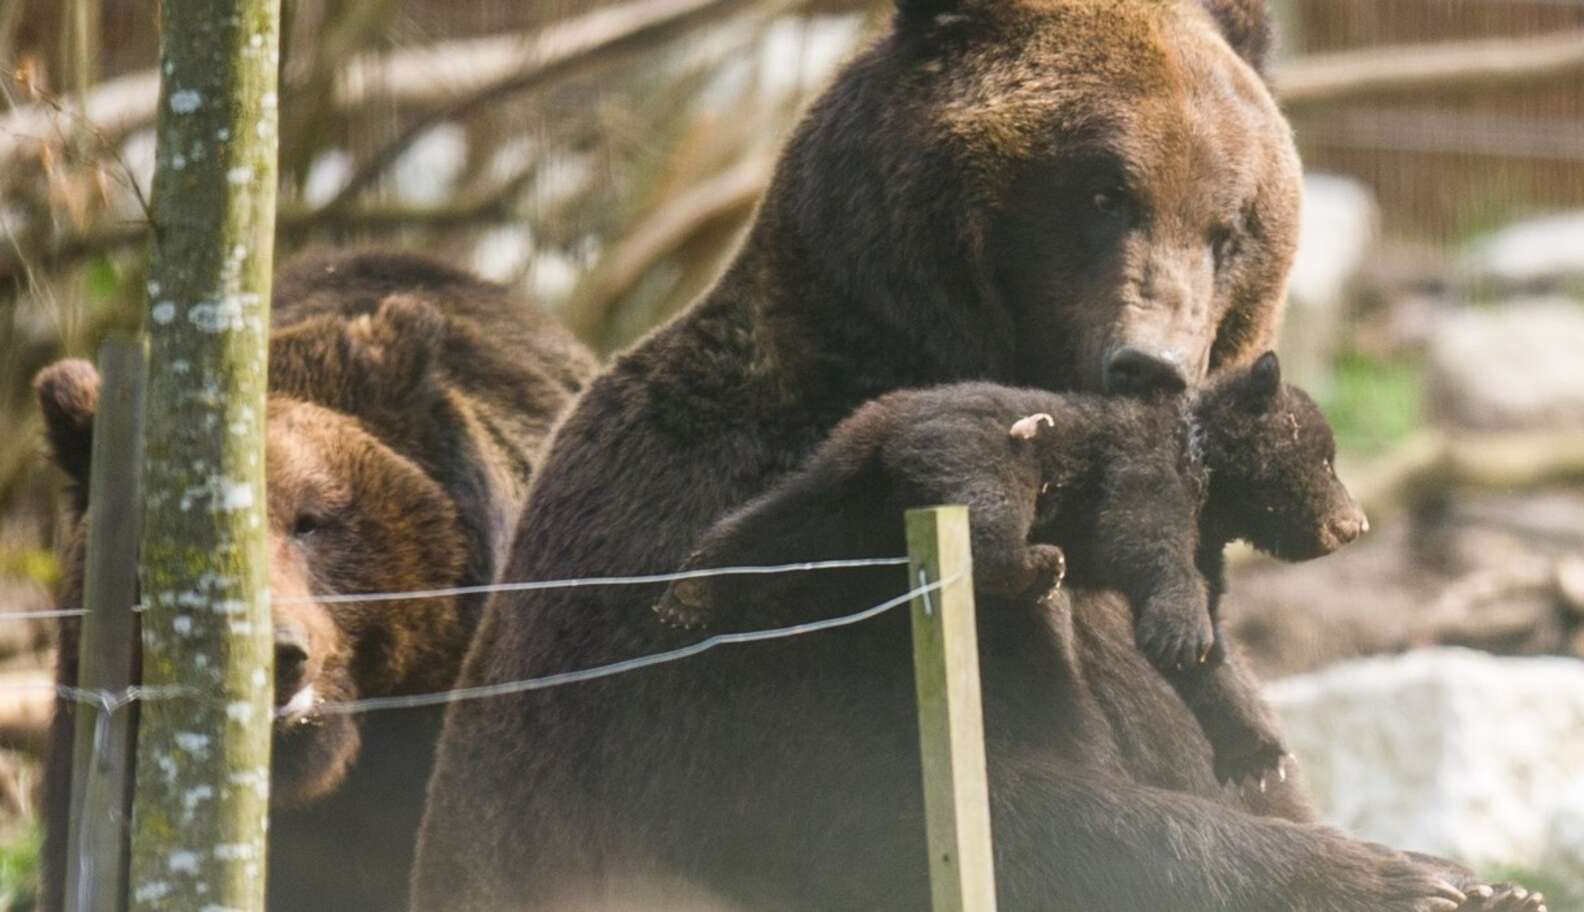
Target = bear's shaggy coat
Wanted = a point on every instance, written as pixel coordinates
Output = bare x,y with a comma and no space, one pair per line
408,403
1064,194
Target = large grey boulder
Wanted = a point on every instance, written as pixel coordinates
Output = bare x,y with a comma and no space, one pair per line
1447,751
1519,366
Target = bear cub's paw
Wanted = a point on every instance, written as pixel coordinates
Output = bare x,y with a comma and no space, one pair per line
1256,761
1048,566
686,604
1174,632
1020,572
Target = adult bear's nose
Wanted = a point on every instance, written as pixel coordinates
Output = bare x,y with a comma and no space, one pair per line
1135,371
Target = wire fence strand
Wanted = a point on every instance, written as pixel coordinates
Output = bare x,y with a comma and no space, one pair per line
640,580
111,701
486,691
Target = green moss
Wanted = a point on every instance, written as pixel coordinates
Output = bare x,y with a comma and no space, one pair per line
1374,404
19,869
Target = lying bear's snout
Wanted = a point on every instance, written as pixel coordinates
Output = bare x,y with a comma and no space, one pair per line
291,661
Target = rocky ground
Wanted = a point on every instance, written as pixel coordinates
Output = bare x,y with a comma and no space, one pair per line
1429,676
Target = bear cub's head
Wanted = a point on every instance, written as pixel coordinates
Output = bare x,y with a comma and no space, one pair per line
348,514
1271,456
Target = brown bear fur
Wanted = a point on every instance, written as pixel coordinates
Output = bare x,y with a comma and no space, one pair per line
1017,191
1144,495
408,403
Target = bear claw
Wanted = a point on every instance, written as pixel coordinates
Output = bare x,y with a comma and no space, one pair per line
1503,897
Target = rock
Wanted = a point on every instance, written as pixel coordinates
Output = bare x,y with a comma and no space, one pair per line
1446,751
1539,253
1338,229
1565,858
1510,368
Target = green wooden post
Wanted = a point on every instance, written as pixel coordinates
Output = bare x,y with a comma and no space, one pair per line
102,752
200,811
951,721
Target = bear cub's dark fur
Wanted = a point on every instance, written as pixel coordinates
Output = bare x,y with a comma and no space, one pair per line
1139,496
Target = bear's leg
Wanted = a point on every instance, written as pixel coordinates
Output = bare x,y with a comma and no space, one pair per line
1240,726
1146,539
1104,844
820,513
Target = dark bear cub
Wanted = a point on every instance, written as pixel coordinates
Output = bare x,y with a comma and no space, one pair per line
1139,496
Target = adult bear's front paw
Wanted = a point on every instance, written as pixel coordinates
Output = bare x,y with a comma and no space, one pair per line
1503,897
1482,896
1174,632
1369,877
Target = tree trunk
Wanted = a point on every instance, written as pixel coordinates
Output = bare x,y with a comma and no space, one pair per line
203,748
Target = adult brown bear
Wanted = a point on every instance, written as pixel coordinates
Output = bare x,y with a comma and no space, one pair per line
1092,194
408,402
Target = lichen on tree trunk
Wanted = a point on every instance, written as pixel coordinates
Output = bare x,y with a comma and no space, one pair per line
199,818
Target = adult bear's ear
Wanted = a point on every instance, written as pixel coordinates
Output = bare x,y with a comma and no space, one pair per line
395,348
1247,27
68,395
1265,378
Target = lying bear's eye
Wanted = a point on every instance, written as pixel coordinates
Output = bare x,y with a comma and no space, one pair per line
306,524
1224,245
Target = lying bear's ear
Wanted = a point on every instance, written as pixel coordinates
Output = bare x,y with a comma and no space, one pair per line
395,348
1246,25
911,11
68,395
1265,377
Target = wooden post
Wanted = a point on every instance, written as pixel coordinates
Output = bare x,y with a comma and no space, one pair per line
203,758
951,722
101,756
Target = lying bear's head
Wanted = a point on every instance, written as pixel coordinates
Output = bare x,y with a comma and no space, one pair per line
1271,456
348,513
1069,194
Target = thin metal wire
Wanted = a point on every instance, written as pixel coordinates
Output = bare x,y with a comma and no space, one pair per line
415,701
42,615
645,579
417,594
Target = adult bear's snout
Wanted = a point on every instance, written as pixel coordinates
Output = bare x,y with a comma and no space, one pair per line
1133,370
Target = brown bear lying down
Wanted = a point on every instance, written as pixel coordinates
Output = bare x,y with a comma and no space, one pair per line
1144,496
408,402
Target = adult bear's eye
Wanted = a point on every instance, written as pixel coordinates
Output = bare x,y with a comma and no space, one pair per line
1111,201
